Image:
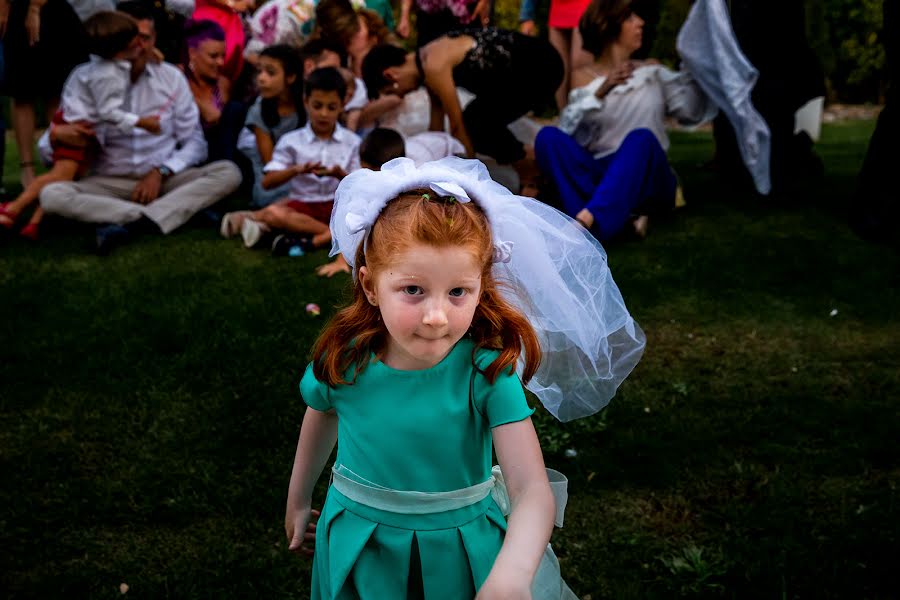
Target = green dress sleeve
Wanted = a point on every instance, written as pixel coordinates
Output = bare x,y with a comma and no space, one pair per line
504,400
315,393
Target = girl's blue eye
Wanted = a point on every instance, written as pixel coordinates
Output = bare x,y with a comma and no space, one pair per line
457,292
412,290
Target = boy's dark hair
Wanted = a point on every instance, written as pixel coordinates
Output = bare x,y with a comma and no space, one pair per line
291,64
136,9
110,32
326,79
314,48
378,59
381,145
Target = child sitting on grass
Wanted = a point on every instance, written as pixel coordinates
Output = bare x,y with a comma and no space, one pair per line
380,146
313,159
93,94
383,145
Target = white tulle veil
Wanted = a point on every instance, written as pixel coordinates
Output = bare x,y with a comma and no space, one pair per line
549,267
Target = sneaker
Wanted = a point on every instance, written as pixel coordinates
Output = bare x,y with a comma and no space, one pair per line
290,245
231,223
252,232
108,237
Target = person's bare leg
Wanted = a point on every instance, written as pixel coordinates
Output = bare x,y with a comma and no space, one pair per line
37,216
63,170
23,125
561,39
279,216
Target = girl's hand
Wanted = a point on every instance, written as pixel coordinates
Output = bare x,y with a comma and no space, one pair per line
528,27
505,587
618,76
300,527
338,265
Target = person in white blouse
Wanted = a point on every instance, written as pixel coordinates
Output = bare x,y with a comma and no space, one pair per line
313,159
143,182
607,160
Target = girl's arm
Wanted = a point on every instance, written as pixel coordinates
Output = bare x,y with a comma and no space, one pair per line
318,436
532,512
264,144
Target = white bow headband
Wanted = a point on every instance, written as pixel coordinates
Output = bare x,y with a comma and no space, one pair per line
557,277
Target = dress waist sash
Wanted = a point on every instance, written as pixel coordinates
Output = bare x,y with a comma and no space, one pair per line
377,496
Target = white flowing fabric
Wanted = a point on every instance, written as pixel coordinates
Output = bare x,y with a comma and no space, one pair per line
710,51
548,266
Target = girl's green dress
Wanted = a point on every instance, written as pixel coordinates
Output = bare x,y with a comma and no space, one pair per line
426,431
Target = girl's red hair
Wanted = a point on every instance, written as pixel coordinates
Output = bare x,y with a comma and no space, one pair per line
421,216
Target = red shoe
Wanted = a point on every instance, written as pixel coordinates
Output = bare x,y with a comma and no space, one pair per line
7,219
30,232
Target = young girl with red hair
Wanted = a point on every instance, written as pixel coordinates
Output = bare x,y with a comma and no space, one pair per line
418,379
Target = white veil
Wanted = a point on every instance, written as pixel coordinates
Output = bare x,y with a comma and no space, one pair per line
549,267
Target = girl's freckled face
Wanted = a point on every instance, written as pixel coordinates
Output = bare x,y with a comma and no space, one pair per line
427,298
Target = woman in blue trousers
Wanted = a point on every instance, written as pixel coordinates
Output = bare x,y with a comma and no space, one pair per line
607,160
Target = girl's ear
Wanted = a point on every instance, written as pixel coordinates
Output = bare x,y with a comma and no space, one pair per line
368,286
289,80
390,74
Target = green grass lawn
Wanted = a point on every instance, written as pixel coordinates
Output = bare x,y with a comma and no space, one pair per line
149,409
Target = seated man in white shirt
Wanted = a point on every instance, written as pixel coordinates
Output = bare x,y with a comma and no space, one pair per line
143,182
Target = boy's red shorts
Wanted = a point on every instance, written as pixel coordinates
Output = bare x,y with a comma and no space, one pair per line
320,211
84,156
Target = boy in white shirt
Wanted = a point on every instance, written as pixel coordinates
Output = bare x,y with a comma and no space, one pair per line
94,94
383,144
314,159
